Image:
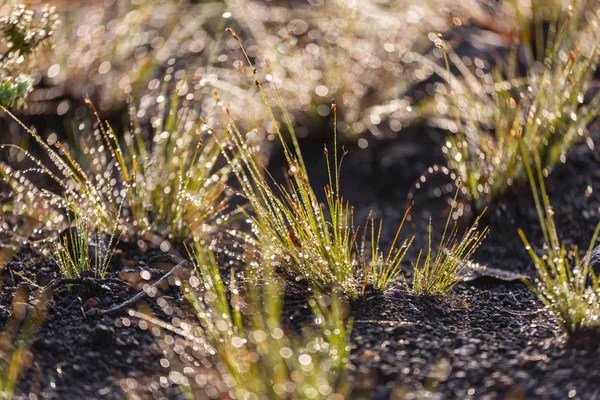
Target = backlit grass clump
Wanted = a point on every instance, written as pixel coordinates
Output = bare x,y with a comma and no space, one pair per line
295,233
451,262
546,111
170,188
568,287
82,248
177,185
237,345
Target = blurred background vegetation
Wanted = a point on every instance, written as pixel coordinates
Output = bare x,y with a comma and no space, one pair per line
363,53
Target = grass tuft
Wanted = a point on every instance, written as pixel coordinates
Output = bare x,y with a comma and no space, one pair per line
82,248
295,232
381,271
452,262
177,185
546,110
172,189
568,286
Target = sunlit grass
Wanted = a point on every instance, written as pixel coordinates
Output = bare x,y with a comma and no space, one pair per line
443,268
81,191
82,248
380,270
568,287
296,234
172,188
29,203
491,116
236,338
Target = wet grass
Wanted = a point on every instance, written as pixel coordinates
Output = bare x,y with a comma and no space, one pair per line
544,111
171,189
294,232
567,285
451,262
80,249
240,330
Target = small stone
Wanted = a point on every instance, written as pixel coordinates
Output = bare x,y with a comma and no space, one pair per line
92,312
17,266
92,302
42,343
505,381
78,370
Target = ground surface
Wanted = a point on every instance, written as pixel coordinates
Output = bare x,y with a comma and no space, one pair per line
490,339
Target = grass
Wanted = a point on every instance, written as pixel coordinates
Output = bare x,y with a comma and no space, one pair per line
22,31
359,66
251,354
80,249
85,194
168,178
441,271
19,332
295,233
382,271
568,286
171,189
492,116
29,203
177,186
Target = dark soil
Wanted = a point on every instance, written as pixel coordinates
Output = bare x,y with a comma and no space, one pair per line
492,338
487,341
79,352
